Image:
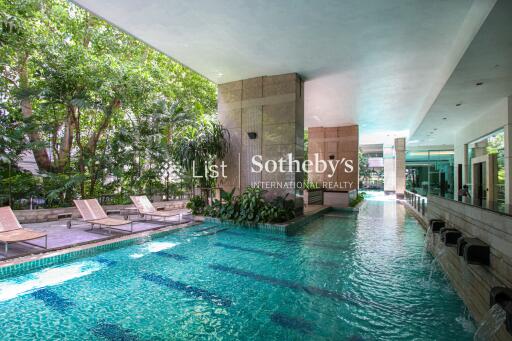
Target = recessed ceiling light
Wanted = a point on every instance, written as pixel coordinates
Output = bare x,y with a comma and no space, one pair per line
479,83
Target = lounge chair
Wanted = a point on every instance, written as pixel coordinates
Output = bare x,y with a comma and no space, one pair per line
146,208
92,213
12,232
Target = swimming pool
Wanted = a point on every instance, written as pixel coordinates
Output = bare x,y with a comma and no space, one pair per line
344,276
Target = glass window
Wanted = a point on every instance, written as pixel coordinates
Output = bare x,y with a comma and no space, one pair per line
486,160
430,172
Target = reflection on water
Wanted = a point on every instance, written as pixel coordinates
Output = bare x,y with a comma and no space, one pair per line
152,247
47,277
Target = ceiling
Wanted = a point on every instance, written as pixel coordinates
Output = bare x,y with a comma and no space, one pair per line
380,64
482,78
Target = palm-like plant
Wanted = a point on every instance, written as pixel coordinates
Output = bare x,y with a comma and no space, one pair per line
195,146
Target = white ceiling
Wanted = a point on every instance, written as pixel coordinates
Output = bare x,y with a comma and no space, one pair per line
488,60
377,63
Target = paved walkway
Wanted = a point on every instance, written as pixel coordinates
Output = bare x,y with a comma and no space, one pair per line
59,236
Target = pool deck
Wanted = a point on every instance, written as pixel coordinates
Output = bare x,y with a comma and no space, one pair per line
61,237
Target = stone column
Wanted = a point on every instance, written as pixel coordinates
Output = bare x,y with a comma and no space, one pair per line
336,144
465,167
394,167
508,155
388,154
272,107
400,167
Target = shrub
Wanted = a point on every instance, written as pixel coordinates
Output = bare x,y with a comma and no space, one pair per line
283,209
250,208
360,197
196,205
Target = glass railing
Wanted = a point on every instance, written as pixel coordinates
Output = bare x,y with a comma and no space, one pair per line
418,202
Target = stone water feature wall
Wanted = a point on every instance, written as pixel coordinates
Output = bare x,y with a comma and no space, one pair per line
474,282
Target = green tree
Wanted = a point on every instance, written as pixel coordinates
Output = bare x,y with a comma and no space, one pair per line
98,108
364,170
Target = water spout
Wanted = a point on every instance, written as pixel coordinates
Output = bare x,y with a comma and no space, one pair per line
438,253
427,244
491,323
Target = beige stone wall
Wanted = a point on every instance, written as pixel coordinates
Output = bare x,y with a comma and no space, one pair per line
388,152
339,143
273,108
473,282
400,167
394,167
339,199
43,215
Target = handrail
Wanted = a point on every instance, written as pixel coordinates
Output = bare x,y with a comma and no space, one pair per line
417,202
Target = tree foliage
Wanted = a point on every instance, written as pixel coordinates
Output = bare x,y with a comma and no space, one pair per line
99,109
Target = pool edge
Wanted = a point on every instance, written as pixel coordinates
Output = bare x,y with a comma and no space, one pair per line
28,263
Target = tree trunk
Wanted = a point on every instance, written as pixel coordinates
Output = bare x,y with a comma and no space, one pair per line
67,140
81,158
93,142
40,152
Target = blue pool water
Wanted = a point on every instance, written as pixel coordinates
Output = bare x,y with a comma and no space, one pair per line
344,276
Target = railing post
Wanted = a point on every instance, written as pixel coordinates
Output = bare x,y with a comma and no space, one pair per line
423,206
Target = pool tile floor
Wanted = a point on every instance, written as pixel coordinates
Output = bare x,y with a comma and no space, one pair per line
59,236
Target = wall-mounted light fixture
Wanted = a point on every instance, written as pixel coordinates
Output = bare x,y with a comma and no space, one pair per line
252,135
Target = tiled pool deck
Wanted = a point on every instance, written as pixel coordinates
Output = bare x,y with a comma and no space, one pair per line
66,244
61,237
